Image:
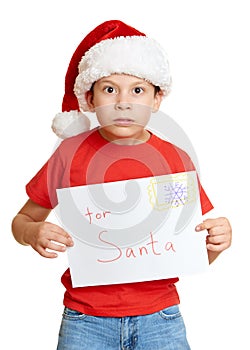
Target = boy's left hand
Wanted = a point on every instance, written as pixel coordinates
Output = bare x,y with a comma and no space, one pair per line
219,235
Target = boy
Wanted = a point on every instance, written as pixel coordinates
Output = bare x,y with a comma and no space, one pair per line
121,75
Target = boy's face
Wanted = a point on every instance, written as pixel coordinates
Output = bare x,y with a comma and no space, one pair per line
123,106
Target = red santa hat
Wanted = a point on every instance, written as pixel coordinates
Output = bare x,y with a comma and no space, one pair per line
112,47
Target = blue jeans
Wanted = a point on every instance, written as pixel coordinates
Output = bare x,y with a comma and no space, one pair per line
164,330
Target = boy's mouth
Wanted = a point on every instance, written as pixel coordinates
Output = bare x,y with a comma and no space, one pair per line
123,121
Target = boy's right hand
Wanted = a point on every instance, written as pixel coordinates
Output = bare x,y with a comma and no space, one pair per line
47,238
30,228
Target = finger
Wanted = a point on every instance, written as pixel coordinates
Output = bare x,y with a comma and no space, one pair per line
216,239
209,223
60,231
61,237
46,254
51,245
217,247
49,249
216,231
48,226
67,239
219,240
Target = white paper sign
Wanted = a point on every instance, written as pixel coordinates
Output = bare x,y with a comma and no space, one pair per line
134,230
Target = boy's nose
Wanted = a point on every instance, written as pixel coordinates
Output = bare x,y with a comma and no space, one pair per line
123,106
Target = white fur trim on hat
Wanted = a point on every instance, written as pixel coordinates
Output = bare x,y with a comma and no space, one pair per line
139,56
67,124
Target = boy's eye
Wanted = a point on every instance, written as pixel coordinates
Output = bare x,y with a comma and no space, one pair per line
109,89
138,90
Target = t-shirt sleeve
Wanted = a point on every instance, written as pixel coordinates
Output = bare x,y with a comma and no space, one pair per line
37,188
206,204
55,173
41,189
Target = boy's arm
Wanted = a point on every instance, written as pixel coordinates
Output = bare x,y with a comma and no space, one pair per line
29,228
219,236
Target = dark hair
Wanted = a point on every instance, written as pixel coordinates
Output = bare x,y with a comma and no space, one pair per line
157,89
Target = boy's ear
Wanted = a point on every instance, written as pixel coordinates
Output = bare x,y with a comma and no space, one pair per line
89,100
157,101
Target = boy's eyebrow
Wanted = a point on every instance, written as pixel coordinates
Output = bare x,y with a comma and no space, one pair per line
107,81
141,82
138,82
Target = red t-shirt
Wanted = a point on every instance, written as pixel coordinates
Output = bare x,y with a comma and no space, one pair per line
89,159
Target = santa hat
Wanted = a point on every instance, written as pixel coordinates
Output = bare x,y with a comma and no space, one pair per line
112,47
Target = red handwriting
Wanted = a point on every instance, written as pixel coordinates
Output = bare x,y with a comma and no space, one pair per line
98,216
151,247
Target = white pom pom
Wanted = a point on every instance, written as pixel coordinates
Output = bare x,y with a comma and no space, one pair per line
67,124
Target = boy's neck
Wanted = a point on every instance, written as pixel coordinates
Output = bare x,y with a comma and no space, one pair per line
145,136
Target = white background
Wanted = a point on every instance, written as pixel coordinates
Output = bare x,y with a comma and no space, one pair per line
208,47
